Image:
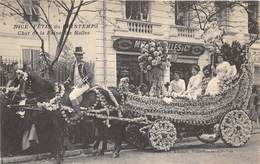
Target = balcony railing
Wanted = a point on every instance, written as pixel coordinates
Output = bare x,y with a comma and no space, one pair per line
141,27
183,31
186,32
137,26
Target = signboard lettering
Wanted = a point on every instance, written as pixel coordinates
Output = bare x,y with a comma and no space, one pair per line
179,48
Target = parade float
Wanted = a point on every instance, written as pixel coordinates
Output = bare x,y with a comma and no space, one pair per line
159,121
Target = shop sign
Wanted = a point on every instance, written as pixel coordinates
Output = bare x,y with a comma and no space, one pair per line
180,48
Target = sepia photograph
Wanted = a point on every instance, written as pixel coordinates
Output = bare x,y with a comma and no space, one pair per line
129,81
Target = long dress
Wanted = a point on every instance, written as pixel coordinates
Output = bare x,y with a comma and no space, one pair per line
177,87
194,87
224,72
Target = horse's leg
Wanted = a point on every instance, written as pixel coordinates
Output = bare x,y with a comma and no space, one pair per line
104,146
98,138
59,134
118,138
96,145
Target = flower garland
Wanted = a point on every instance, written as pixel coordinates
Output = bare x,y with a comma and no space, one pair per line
104,108
54,103
24,74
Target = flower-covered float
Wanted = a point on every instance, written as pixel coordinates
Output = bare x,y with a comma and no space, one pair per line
221,116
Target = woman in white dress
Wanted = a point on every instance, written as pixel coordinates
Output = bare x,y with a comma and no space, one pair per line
177,85
194,86
224,72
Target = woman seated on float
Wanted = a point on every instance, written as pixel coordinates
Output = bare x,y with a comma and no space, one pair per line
206,78
224,72
194,86
177,85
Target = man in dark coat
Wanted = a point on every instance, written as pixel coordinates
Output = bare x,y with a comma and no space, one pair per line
81,78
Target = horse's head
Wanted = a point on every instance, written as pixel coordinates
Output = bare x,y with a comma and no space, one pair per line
34,86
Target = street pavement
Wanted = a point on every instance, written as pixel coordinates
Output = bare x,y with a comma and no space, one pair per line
193,152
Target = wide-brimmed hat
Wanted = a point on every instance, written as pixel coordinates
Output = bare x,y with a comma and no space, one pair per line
79,51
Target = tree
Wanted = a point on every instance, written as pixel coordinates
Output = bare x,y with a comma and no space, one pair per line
205,16
70,9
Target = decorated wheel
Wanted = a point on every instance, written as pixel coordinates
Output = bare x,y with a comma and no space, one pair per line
134,137
236,128
210,138
162,135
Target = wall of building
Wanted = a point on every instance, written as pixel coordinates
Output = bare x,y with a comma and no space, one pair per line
111,25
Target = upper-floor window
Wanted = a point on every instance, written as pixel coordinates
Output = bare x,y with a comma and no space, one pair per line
253,26
183,13
137,10
31,8
222,13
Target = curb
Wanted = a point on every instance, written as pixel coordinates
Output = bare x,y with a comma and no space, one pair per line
68,153
77,152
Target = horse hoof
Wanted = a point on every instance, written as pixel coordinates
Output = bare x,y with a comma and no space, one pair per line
100,153
94,153
115,155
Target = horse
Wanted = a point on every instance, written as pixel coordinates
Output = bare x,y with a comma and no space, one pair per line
10,133
42,90
15,126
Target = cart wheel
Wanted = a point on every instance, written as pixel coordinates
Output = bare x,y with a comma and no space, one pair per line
236,128
134,137
210,138
162,135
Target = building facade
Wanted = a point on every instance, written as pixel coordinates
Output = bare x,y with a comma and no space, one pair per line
112,31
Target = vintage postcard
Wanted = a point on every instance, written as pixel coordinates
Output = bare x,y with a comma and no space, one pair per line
143,81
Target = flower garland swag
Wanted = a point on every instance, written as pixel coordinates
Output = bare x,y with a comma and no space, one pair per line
101,113
154,59
204,111
54,103
100,109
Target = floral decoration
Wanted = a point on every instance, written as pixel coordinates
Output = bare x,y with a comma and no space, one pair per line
154,54
54,103
162,135
24,74
204,110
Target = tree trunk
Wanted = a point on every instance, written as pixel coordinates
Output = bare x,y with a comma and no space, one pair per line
157,77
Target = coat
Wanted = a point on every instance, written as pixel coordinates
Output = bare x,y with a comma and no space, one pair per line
85,73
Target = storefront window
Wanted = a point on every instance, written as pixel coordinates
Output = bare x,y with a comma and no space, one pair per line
128,66
137,10
253,26
183,13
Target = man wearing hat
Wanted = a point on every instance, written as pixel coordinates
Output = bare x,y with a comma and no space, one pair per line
80,78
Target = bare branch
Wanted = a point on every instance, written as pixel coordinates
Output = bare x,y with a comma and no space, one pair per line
88,2
198,18
60,3
46,20
12,9
67,34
